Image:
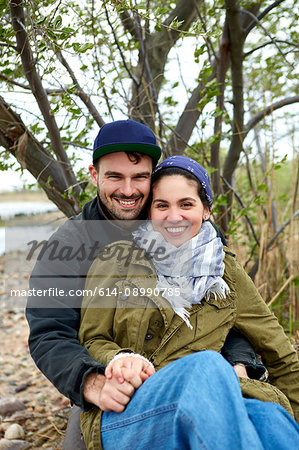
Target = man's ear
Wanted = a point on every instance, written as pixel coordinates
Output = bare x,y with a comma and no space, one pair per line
93,174
149,212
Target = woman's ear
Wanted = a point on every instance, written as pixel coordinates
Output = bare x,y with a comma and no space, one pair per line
206,213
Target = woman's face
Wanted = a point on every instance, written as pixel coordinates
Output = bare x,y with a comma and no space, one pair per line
177,211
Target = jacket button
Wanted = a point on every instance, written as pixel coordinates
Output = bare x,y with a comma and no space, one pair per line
148,336
123,296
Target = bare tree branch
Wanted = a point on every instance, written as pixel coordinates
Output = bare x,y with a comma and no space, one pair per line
187,121
243,206
18,141
254,269
268,34
79,91
262,15
23,47
223,59
268,110
236,50
94,34
130,73
5,45
246,19
158,45
292,44
28,88
208,41
129,24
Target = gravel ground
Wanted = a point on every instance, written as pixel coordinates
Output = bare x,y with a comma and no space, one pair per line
45,411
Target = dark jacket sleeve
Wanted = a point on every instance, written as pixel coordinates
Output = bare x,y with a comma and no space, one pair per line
237,349
53,313
55,348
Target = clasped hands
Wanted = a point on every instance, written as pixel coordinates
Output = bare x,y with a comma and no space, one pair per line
113,391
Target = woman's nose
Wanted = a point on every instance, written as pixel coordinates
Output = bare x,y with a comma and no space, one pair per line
174,215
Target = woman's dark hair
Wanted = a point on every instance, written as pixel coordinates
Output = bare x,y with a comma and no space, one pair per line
169,171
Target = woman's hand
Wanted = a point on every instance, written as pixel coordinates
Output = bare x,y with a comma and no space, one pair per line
132,369
241,370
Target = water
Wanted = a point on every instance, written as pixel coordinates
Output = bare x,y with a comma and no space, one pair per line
2,240
11,209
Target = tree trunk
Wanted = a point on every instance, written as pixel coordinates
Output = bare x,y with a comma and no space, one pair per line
16,139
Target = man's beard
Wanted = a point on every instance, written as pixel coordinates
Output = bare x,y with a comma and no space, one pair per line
118,213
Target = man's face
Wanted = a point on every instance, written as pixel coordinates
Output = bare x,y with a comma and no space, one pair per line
123,185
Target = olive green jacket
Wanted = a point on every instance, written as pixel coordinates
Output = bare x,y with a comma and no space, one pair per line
122,311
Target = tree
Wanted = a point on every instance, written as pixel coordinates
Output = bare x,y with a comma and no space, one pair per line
215,80
84,63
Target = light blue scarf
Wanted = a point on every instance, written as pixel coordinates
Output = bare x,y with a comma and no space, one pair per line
195,268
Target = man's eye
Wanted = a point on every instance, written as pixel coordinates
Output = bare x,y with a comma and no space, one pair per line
113,177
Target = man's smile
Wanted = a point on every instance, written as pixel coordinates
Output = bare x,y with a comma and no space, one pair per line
127,203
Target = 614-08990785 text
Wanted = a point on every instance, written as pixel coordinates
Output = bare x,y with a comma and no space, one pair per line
138,291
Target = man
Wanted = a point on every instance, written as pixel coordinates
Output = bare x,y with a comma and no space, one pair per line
123,157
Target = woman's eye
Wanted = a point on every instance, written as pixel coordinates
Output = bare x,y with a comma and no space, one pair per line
161,206
186,205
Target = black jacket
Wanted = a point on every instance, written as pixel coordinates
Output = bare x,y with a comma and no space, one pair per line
54,317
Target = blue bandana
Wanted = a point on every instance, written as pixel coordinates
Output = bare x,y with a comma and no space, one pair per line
191,166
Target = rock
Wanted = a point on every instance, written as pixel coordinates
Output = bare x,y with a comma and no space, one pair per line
14,431
41,397
15,444
9,405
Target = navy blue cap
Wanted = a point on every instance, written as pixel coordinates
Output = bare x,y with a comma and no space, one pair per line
126,136
183,162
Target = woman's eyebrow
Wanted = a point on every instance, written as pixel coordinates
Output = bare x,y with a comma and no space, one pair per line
179,200
187,198
159,200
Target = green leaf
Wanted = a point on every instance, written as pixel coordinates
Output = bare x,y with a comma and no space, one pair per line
262,187
85,47
57,22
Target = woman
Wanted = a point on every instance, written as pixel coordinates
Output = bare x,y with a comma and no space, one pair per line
167,297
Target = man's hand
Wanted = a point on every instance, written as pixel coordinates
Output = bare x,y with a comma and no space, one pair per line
115,396
113,391
93,385
132,369
109,395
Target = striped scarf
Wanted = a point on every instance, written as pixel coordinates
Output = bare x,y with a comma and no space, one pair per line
193,271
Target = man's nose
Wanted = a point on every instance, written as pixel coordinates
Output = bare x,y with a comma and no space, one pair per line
127,187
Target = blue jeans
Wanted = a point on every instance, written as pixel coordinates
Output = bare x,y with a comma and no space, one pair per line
196,403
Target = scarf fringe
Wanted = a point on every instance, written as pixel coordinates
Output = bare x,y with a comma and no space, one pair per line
202,257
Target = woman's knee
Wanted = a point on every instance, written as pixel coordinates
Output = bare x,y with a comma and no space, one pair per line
204,365
206,360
